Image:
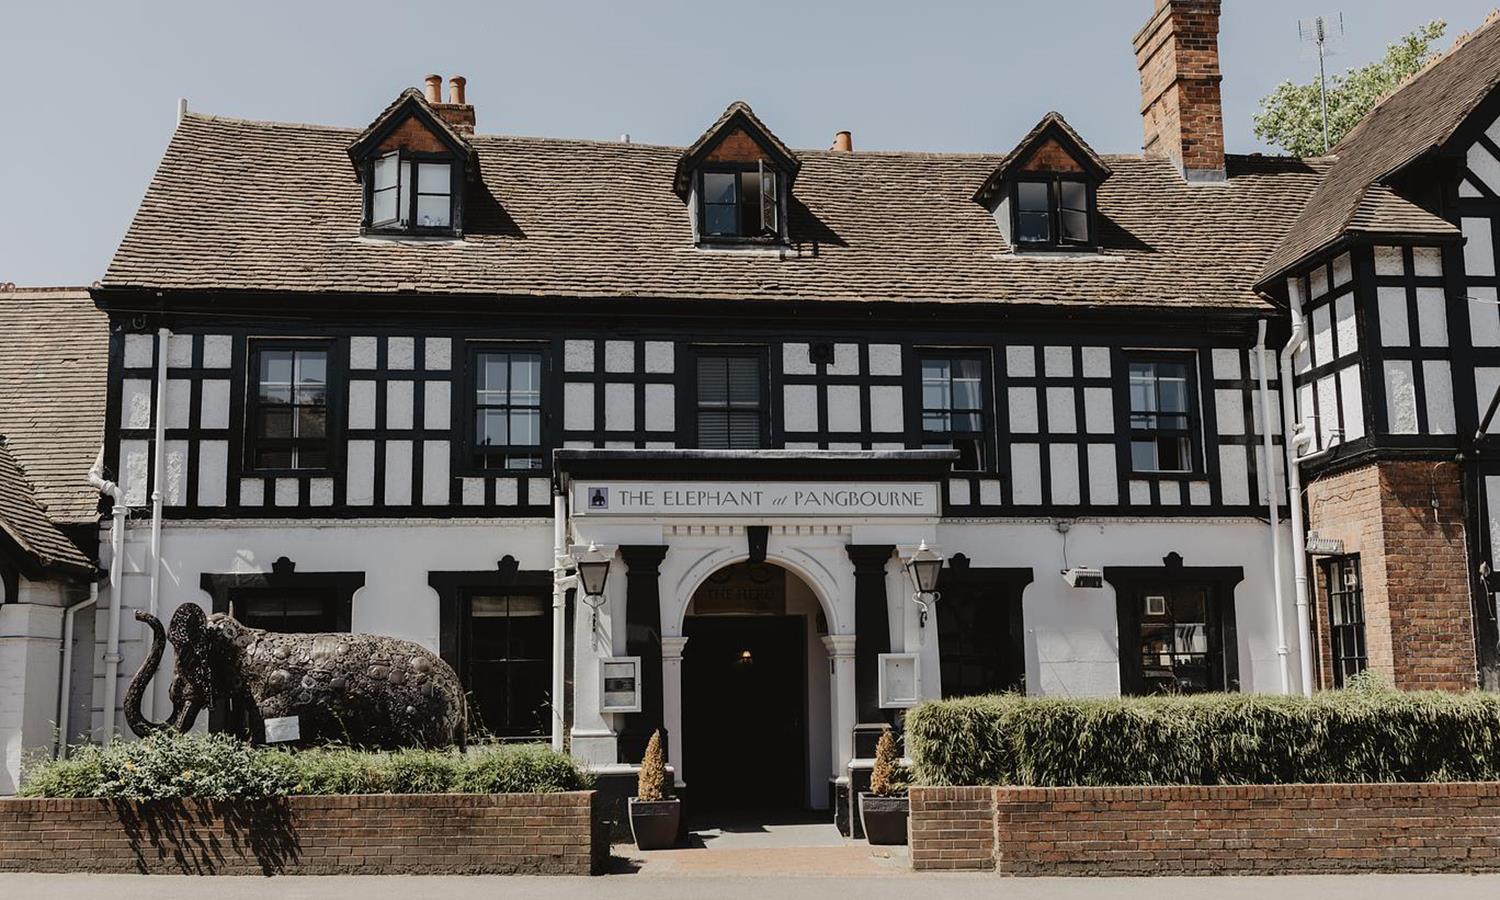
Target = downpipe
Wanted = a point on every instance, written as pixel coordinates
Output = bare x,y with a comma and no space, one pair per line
1294,438
64,692
1273,502
119,512
560,582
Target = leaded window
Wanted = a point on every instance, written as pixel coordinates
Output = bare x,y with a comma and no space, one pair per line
1162,415
731,409
289,408
954,412
1346,617
508,409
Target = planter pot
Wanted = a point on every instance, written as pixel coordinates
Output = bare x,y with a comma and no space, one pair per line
884,818
653,823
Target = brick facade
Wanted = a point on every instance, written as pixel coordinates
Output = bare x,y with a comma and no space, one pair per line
552,834
1177,55
1419,627
1232,829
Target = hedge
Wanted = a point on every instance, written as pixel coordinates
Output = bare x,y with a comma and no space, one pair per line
1333,738
166,766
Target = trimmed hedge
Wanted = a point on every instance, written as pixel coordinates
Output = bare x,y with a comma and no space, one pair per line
167,766
1352,736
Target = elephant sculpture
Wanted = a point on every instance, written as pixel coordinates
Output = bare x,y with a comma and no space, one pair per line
358,689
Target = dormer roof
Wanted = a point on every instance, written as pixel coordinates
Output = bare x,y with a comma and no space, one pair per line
1052,146
738,119
410,106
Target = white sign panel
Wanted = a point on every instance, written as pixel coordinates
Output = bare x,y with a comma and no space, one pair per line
755,498
283,729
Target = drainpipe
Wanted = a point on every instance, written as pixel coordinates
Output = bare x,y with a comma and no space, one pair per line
1263,358
559,617
1290,437
159,461
63,706
116,589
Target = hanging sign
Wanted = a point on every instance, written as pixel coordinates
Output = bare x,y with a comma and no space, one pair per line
741,499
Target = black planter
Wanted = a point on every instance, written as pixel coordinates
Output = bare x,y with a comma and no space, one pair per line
884,818
653,823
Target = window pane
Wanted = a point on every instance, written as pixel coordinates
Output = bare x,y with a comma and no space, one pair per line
433,211
525,428
713,380
493,428
970,455
744,381
719,187
403,203
311,458
385,207
526,379
275,367
494,376
935,422
386,168
1075,226
1143,456
312,423
276,423
1031,196
1172,393
721,220
1073,195
967,395
433,178
750,202
1035,228
273,459
312,367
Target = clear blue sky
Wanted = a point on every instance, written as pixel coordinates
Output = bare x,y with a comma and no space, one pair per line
92,87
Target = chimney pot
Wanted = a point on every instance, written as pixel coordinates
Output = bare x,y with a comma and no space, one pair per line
434,88
843,142
456,89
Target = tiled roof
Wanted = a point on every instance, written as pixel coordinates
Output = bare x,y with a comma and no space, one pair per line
1414,120
54,353
24,522
255,206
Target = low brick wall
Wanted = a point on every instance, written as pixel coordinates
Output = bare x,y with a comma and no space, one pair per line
1239,829
554,834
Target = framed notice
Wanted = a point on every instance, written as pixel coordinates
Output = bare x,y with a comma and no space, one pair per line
620,684
900,680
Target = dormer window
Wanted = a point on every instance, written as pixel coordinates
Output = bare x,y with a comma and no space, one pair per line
1053,211
740,203
411,194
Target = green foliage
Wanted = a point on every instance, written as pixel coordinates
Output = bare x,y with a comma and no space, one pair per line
166,766
653,775
887,778
1368,734
1291,116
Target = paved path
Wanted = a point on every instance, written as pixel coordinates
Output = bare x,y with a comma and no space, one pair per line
779,887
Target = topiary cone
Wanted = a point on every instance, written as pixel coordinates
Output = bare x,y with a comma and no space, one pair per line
885,765
653,770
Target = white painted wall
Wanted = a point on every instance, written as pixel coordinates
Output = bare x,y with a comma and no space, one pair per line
30,633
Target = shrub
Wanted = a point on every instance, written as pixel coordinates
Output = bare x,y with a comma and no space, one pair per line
653,771
166,766
887,778
1372,734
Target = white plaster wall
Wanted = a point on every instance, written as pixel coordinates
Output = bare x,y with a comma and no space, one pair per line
395,555
1071,640
30,632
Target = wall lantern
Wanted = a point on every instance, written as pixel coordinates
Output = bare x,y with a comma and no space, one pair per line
593,573
924,567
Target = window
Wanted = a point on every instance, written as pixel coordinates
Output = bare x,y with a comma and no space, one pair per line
286,612
289,408
740,203
731,401
508,664
1346,617
953,408
981,647
1177,628
1054,213
411,194
508,409
1163,407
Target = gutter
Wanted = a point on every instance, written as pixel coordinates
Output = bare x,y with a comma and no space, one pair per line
116,590
1273,501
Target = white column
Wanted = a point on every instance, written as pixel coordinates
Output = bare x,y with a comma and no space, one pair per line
841,651
671,697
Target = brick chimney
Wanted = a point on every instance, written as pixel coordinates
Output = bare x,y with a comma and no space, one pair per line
455,112
1177,54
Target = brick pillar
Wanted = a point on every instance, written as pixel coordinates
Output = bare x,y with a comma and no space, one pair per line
1419,627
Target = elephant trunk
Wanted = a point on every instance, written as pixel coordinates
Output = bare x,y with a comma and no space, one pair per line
138,684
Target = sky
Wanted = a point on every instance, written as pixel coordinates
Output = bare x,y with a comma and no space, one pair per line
93,86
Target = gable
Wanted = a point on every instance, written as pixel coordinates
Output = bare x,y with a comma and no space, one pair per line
1050,156
414,136
738,145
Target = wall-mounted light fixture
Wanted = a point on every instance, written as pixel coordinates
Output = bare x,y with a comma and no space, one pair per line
924,567
593,574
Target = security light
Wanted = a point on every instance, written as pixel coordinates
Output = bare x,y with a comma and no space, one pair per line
1083,577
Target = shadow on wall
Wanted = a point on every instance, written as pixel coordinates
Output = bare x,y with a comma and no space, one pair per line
188,835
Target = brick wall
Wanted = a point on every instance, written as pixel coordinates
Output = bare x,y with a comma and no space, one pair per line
1418,615
952,828
554,834
1237,829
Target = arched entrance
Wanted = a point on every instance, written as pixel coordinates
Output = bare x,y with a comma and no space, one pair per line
755,692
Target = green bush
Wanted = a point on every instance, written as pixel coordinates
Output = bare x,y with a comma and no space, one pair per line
1371,734
166,766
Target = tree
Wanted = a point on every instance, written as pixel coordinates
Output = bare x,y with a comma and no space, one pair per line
1291,117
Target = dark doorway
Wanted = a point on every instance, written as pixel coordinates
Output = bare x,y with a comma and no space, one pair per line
744,712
